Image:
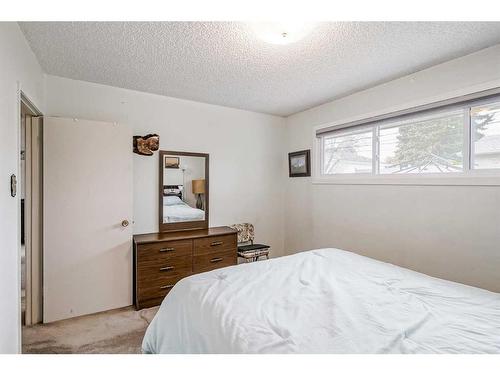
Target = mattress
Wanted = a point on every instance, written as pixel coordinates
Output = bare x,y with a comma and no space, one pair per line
323,301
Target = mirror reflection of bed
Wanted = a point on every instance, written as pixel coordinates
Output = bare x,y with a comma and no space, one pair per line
183,188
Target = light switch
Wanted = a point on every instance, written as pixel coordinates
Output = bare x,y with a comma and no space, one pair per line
13,185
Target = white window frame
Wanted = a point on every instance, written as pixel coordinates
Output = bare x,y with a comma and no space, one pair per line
476,177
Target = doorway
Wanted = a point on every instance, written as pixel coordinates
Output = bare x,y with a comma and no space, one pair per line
30,160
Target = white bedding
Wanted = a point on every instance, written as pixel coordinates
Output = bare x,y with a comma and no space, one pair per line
181,212
323,301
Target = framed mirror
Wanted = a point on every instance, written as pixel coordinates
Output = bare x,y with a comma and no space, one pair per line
183,190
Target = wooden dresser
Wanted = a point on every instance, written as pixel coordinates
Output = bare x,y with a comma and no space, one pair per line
162,259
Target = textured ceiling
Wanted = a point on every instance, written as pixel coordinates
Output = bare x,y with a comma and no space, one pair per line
225,63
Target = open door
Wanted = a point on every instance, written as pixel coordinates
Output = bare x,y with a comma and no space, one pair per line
87,174
32,219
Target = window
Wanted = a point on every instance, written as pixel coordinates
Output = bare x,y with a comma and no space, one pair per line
425,144
458,138
348,153
485,128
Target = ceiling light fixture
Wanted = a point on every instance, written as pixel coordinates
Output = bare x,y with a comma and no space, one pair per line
281,32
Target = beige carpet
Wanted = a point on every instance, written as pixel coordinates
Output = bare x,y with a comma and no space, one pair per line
110,332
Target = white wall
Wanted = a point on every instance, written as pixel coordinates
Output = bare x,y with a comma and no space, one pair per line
452,232
247,159
18,69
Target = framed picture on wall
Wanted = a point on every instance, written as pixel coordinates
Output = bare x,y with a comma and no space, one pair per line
299,163
171,162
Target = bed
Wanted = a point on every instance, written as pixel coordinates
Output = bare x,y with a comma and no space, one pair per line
323,301
176,210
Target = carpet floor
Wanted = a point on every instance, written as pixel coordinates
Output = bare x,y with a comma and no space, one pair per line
112,332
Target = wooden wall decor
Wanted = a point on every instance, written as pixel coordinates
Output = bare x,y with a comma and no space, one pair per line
147,144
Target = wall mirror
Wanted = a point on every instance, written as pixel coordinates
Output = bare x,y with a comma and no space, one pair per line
184,195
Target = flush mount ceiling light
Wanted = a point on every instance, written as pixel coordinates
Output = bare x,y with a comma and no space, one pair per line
281,32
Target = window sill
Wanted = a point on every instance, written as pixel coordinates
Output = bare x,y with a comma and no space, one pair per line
478,179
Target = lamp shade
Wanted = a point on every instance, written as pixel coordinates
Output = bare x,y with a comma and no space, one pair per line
198,186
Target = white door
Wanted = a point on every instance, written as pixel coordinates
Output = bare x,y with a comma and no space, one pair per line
87,252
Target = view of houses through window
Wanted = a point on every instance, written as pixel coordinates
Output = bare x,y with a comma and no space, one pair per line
485,121
441,141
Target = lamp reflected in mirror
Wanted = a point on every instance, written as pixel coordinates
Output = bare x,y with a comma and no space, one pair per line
198,189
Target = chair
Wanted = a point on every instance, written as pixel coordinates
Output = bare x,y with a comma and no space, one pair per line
246,248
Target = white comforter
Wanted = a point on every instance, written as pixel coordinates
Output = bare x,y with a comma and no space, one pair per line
181,212
324,301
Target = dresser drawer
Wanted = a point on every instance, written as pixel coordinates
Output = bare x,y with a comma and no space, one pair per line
155,286
150,270
152,293
210,245
208,262
163,250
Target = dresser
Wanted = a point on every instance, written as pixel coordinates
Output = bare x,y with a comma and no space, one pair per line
162,259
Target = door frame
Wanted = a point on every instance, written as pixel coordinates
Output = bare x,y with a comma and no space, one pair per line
32,181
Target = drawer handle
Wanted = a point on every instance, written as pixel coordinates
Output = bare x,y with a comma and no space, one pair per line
164,250
216,243
168,268
167,286
215,260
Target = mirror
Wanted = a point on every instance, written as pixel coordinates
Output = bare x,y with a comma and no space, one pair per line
183,190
